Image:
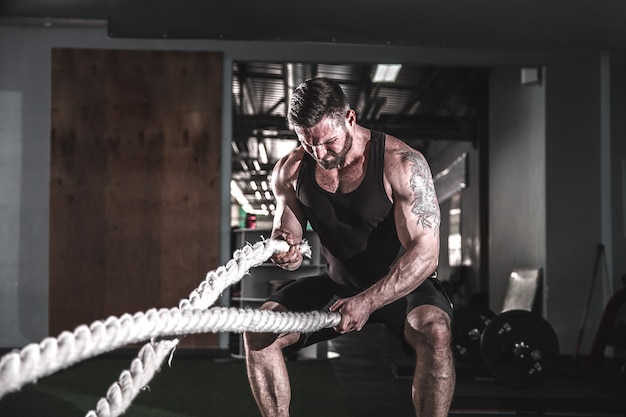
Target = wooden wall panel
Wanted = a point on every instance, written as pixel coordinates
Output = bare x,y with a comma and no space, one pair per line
135,185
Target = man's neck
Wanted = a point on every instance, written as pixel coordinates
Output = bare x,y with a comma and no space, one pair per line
360,138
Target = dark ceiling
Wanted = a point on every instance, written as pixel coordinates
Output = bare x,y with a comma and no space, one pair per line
426,105
429,23
578,24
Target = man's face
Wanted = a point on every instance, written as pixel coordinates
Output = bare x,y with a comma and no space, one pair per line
328,142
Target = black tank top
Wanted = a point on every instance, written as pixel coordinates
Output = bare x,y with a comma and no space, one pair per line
356,229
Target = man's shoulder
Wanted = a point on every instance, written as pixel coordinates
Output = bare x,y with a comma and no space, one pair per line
289,164
398,152
402,162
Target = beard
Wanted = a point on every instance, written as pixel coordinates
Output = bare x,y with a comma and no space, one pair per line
332,159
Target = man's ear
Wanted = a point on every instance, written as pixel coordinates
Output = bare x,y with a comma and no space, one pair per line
351,118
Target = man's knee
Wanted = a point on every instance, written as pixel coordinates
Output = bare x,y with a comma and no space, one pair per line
428,327
258,341
255,341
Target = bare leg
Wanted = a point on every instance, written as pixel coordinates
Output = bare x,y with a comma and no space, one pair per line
428,331
267,371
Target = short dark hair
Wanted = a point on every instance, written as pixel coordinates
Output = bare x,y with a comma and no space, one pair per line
315,99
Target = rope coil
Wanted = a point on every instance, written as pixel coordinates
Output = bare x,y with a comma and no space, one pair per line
193,315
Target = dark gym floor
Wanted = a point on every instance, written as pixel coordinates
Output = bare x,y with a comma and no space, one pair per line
375,376
375,379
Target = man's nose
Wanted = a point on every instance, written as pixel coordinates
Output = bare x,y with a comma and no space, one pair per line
320,152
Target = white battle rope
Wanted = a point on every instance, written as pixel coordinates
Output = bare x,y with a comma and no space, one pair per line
122,392
193,316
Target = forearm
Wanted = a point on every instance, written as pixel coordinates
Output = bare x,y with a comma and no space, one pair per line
409,272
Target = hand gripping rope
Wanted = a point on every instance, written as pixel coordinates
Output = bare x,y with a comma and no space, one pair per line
193,315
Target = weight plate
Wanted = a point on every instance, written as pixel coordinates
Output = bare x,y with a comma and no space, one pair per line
519,348
468,324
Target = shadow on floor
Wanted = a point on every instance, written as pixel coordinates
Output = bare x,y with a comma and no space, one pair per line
376,377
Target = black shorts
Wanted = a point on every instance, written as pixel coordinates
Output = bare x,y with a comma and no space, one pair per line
319,293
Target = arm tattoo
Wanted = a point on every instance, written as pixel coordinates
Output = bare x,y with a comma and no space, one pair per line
424,204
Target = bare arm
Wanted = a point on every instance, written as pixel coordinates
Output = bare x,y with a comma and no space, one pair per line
289,221
417,219
417,222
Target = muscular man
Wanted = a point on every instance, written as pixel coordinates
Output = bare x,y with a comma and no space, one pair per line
371,200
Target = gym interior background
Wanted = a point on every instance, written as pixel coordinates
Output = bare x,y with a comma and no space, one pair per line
545,147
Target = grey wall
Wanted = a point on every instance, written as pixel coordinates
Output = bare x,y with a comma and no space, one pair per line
614,169
517,217
573,171
574,195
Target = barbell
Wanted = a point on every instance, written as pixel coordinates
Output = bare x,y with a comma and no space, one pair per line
518,348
